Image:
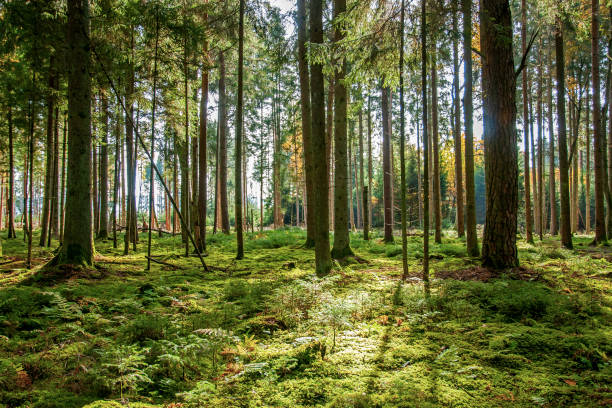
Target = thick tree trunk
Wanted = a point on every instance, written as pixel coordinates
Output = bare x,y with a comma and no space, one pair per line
566,233
239,125
499,117
341,247
587,199
77,247
320,179
329,141
63,187
387,174
600,225
468,110
404,221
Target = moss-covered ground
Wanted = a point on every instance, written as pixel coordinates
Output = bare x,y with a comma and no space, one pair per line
265,331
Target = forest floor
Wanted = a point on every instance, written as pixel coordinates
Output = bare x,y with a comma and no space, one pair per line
265,331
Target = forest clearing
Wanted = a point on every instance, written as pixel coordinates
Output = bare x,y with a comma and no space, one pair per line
305,203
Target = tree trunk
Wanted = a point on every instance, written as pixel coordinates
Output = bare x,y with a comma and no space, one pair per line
239,124
11,194
499,117
540,158
103,227
566,233
552,188
426,143
437,207
470,195
341,247
225,227
77,247
45,219
387,175
317,97
306,118
459,220
528,219
329,141
600,226
404,221
202,184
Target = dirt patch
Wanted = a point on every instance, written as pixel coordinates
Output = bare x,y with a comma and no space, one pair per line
481,274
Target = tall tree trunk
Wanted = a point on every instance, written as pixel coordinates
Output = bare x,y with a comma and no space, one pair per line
45,219
239,124
130,221
94,168
566,233
387,174
364,188
499,117
306,118
63,187
426,143
11,194
540,165
552,188
528,219
534,175
202,184
77,247
587,132
185,194
103,227
404,221
468,110
341,247
117,179
437,207
30,194
459,220
329,142
225,227
600,226
317,98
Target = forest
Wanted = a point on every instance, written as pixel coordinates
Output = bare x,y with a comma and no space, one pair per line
305,203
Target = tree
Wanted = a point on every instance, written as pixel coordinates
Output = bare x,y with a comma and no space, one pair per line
425,146
460,221
387,171
306,125
499,117
566,232
203,155
600,222
341,248
222,163
403,150
77,247
238,151
317,100
528,219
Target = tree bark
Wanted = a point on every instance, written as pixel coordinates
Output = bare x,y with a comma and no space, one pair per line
499,116
11,194
552,188
46,212
203,153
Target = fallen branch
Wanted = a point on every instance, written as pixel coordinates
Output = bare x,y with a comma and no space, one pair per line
164,263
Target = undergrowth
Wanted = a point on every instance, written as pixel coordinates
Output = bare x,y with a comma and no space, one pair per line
265,331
